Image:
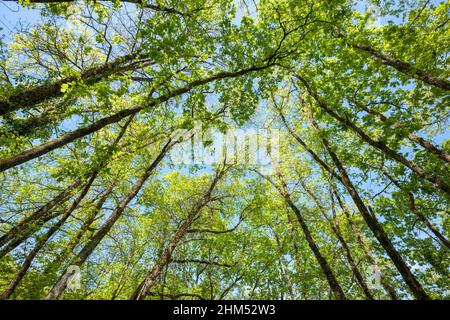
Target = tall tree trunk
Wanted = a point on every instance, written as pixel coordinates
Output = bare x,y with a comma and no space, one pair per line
372,223
67,138
427,145
298,264
337,232
87,222
46,147
402,66
411,202
26,99
31,224
38,214
94,241
26,230
311,152
327,168
436,181
325,267
166,256
362,242
282,265
43,240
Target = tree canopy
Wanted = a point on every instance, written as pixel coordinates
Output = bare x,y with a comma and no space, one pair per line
106,191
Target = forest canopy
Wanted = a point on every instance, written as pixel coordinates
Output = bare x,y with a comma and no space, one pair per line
218,149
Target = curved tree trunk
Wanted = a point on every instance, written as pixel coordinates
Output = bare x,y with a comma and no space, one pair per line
44,148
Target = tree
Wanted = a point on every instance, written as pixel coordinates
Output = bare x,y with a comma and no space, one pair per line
329,119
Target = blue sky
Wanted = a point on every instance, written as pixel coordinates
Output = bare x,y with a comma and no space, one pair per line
11,13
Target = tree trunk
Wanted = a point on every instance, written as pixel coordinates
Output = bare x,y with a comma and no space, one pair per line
296,255
411,202
427,145
363,244
337,232
94,241
38,214
376,228
26,99
320,162
75,240
166,256
31,224
332,281
43,240
405,68
44,148
436,181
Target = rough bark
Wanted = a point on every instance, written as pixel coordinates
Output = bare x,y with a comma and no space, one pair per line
375,227
325,267
61,284
99,124
43,240
166,256
436,181
337,232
